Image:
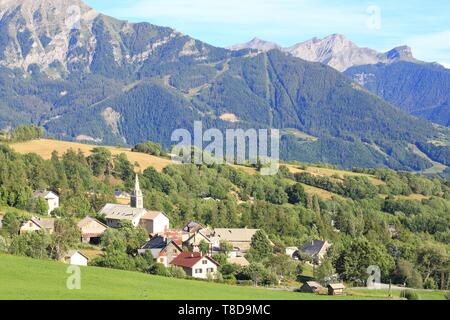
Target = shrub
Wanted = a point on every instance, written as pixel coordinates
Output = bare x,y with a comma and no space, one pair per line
176,272
409,295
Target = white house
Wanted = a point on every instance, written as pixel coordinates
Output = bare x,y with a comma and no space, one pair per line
196,265
75,258
155,222
51,198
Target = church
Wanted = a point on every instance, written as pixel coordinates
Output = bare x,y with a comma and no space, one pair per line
153,221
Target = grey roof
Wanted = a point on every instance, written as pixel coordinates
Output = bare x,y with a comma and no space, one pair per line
336,286
70,253
157,242
192,226
235,235
314,284
312,248
45,194
121,212
121,194
44,223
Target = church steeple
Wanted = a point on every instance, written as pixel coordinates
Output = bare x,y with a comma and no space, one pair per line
137,199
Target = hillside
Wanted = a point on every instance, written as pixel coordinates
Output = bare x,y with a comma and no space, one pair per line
420,89
45,148
136,81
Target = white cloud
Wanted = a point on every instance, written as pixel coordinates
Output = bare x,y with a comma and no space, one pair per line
432,46
286,13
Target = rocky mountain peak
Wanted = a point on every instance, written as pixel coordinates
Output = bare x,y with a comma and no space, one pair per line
400,53
257,44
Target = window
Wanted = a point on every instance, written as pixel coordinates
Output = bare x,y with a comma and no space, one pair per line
198,270
205,261
161,260
210,270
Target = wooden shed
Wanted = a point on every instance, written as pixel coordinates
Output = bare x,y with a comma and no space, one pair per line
312,287
336,289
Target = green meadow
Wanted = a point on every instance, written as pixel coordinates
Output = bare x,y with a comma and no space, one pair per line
30,279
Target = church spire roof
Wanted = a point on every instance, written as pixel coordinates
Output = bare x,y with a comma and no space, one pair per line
137,198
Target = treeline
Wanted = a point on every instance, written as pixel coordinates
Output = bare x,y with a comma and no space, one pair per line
23,133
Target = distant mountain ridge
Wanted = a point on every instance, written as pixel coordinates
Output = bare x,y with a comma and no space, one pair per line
335,51
115,82
420,88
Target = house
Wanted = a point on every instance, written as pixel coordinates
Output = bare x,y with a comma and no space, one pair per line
91,230
163,249
152,221
292,252
336,289
240,261
122,195
312,287
193,227
240,238
316,249
1,220
51,198
75,258
155,222
196,238
196,265
36,224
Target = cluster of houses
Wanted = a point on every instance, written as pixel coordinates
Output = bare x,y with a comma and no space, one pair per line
184,247
170,247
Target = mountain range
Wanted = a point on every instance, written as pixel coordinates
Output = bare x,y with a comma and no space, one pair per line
89,77
335,51
420,88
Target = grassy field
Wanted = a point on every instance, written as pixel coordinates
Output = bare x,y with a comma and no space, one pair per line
25,278
328,172
28,279
45,147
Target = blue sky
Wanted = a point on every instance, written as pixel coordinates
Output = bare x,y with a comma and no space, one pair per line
382,25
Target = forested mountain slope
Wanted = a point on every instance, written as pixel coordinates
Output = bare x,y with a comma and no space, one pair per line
114,82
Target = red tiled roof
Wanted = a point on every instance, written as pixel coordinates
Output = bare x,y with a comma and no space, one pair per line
189,259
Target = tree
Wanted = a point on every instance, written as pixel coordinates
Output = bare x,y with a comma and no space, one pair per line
149,147
11,223
357,255
31,244
100,161
431,258
204,247
134,237
41,206
176,272
324,272
66,236
296,194
282,265
255,272
225,247
261,248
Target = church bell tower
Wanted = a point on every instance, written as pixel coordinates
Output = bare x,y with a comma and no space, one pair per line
137,199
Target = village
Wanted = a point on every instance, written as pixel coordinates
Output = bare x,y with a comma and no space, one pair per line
191,248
